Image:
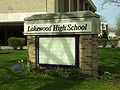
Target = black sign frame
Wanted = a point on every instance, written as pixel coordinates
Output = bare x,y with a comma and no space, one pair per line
77,55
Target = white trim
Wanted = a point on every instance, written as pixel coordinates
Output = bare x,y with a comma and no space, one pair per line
78,5
69,5
92,4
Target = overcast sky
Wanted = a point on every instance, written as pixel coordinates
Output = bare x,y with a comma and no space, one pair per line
110,12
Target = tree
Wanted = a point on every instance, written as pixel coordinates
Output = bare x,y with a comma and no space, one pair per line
118,22
116,2
102,19
111,29
118,26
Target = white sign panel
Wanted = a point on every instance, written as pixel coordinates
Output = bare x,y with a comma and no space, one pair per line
37,28
57,50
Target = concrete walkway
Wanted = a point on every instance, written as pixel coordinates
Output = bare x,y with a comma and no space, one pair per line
8,47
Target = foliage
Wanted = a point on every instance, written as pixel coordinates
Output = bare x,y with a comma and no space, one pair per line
13,42
21,42
16,42
25,67
10,57
107,75
103,42
118,22
118,26
103,39
116,2
10,80
109,60
0,45
58,71
113,42
117,32
74,73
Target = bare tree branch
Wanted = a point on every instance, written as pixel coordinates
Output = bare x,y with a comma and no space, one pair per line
116,2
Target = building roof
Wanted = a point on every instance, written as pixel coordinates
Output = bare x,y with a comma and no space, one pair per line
92,4
77,14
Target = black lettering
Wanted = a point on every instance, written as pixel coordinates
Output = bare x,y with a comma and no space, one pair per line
69,27
59,28
28,28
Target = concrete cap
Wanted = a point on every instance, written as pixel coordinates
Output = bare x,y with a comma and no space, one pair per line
63,15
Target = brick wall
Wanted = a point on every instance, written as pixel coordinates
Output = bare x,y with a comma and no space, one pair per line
31,50
88,54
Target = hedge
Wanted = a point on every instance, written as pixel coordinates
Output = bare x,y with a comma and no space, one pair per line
16,42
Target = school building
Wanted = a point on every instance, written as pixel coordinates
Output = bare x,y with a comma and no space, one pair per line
13,12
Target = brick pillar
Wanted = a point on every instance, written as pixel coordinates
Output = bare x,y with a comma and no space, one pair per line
88,54
31,50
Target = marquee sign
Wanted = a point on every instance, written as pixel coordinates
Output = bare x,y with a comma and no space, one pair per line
36,28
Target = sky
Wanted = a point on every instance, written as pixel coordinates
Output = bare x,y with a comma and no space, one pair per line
110,12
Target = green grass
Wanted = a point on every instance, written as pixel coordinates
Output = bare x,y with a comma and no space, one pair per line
10,57
11,80
109,60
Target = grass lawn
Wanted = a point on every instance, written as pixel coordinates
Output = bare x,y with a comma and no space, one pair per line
11,80
109,60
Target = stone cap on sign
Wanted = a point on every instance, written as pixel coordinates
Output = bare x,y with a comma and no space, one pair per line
63,15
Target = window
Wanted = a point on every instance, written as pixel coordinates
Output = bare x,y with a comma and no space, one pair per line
75,5
80,5
86,6
69,5
66,5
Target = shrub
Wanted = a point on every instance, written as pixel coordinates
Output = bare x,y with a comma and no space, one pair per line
74,73
16,42
0,45
103,42
107,75
113,42
13,42
21,43
22,66
26,67
58,72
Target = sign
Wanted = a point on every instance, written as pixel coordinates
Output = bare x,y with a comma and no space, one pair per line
57,50
37,28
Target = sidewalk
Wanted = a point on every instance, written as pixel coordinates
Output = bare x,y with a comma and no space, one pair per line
8,47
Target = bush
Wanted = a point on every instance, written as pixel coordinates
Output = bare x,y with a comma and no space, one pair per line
74,73
113,42
13,42
16,42
103,39
0,45
22,66
103,42
21,43
106,76
58,72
